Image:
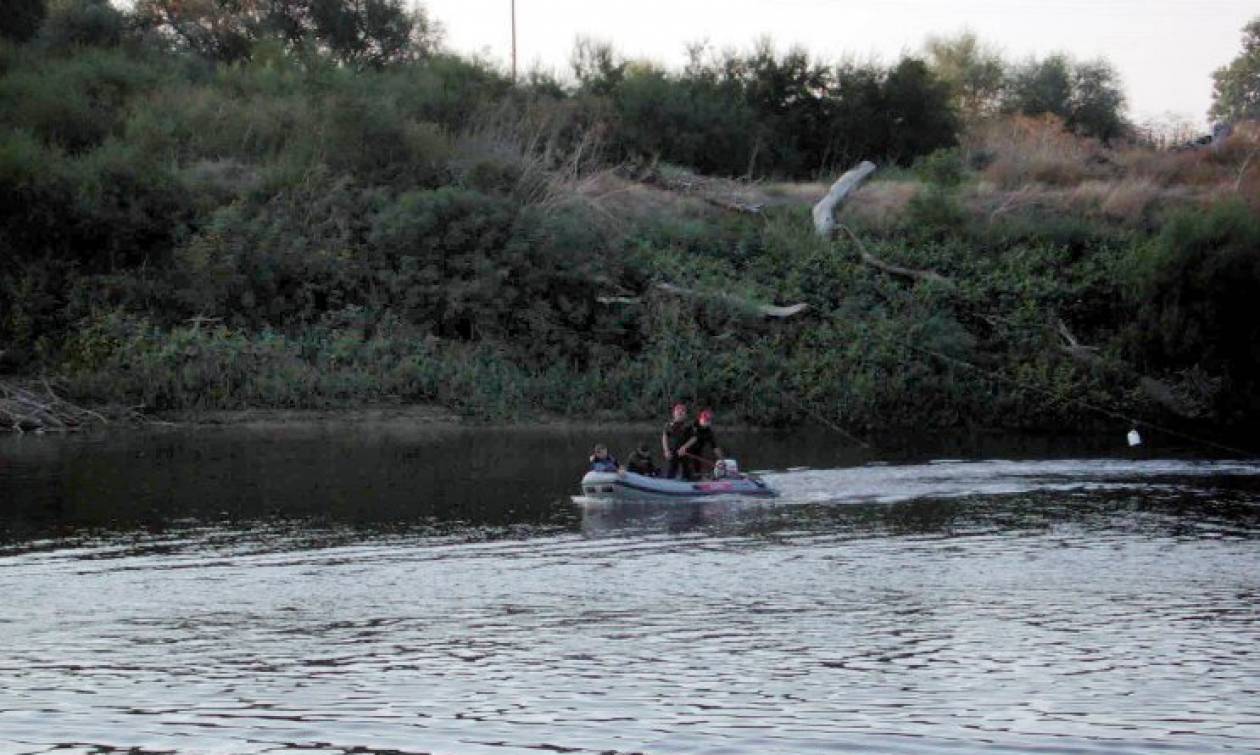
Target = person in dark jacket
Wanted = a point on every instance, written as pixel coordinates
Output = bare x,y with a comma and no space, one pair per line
640,462
700,444
676,432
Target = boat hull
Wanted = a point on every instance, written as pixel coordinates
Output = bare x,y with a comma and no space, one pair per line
628,486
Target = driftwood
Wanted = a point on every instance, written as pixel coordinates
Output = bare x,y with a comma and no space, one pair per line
1158,391
825,225
752,307
891,269
24,410
1074,348
718,192
825,210
765,310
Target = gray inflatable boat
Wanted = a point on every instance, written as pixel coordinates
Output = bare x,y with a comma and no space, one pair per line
628,486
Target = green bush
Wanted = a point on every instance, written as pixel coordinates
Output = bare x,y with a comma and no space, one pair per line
943,168
935,213
1195,290
21,19
37,199
73,102
81,23
130,209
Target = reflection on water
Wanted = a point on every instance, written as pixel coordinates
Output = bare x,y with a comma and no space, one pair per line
438,591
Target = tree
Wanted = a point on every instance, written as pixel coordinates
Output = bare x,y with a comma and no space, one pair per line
1036,87
81,23
354,32
1087,96
364,32
1097,101
597,66
921,118
788,95
21,19
1236,87
973,71
219,30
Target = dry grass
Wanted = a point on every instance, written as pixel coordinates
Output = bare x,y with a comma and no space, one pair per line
1034,165
786,193
879,205
1021,150
625,202
1035,162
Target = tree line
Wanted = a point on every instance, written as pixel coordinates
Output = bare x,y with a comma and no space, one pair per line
755,112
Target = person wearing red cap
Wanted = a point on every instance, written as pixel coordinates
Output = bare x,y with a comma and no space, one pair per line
699,444
676,432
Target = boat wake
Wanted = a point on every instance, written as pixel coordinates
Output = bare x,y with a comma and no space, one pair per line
886,483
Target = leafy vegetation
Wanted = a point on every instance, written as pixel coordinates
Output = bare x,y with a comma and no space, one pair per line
1194,287
205,208
1236,87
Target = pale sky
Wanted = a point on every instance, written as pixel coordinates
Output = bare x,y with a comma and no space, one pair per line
1165,50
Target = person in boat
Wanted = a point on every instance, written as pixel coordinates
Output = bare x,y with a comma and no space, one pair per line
640,462
699,445
602,461
676,433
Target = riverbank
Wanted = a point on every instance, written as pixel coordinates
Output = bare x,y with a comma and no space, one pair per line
295,234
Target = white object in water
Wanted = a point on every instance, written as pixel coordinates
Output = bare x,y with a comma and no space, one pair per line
1135,438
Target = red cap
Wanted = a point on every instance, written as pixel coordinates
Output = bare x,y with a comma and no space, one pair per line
706,415
680,405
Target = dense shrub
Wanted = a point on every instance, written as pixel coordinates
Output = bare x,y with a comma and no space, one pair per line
73,102
81,23
21,19
765,113
943,168
1195,289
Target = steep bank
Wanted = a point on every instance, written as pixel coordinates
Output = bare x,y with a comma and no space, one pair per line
288,233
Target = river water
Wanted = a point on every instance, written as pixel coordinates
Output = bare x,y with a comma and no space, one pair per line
366,589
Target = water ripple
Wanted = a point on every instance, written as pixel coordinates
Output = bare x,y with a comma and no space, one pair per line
1073,607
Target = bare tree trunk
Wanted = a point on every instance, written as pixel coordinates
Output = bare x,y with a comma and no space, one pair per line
825,210
765,310
752,307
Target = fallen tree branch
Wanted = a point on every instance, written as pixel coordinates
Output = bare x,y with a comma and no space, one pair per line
825,225
84,410
1158,391
720,193
825,211
905,272
1073,347
765,310
24,411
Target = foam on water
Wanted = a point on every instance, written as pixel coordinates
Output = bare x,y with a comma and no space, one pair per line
892,483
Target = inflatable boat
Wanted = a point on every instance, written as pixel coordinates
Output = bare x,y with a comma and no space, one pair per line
628,486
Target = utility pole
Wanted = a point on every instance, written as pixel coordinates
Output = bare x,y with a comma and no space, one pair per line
513,41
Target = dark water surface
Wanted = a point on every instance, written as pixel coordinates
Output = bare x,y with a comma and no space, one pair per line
385,589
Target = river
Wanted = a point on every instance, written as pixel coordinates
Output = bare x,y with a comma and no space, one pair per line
385,589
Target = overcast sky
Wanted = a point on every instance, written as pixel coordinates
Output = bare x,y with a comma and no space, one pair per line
1165,50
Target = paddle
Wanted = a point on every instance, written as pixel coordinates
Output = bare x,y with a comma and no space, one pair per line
699,458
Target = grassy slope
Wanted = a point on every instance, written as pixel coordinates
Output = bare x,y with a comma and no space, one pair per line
277,237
